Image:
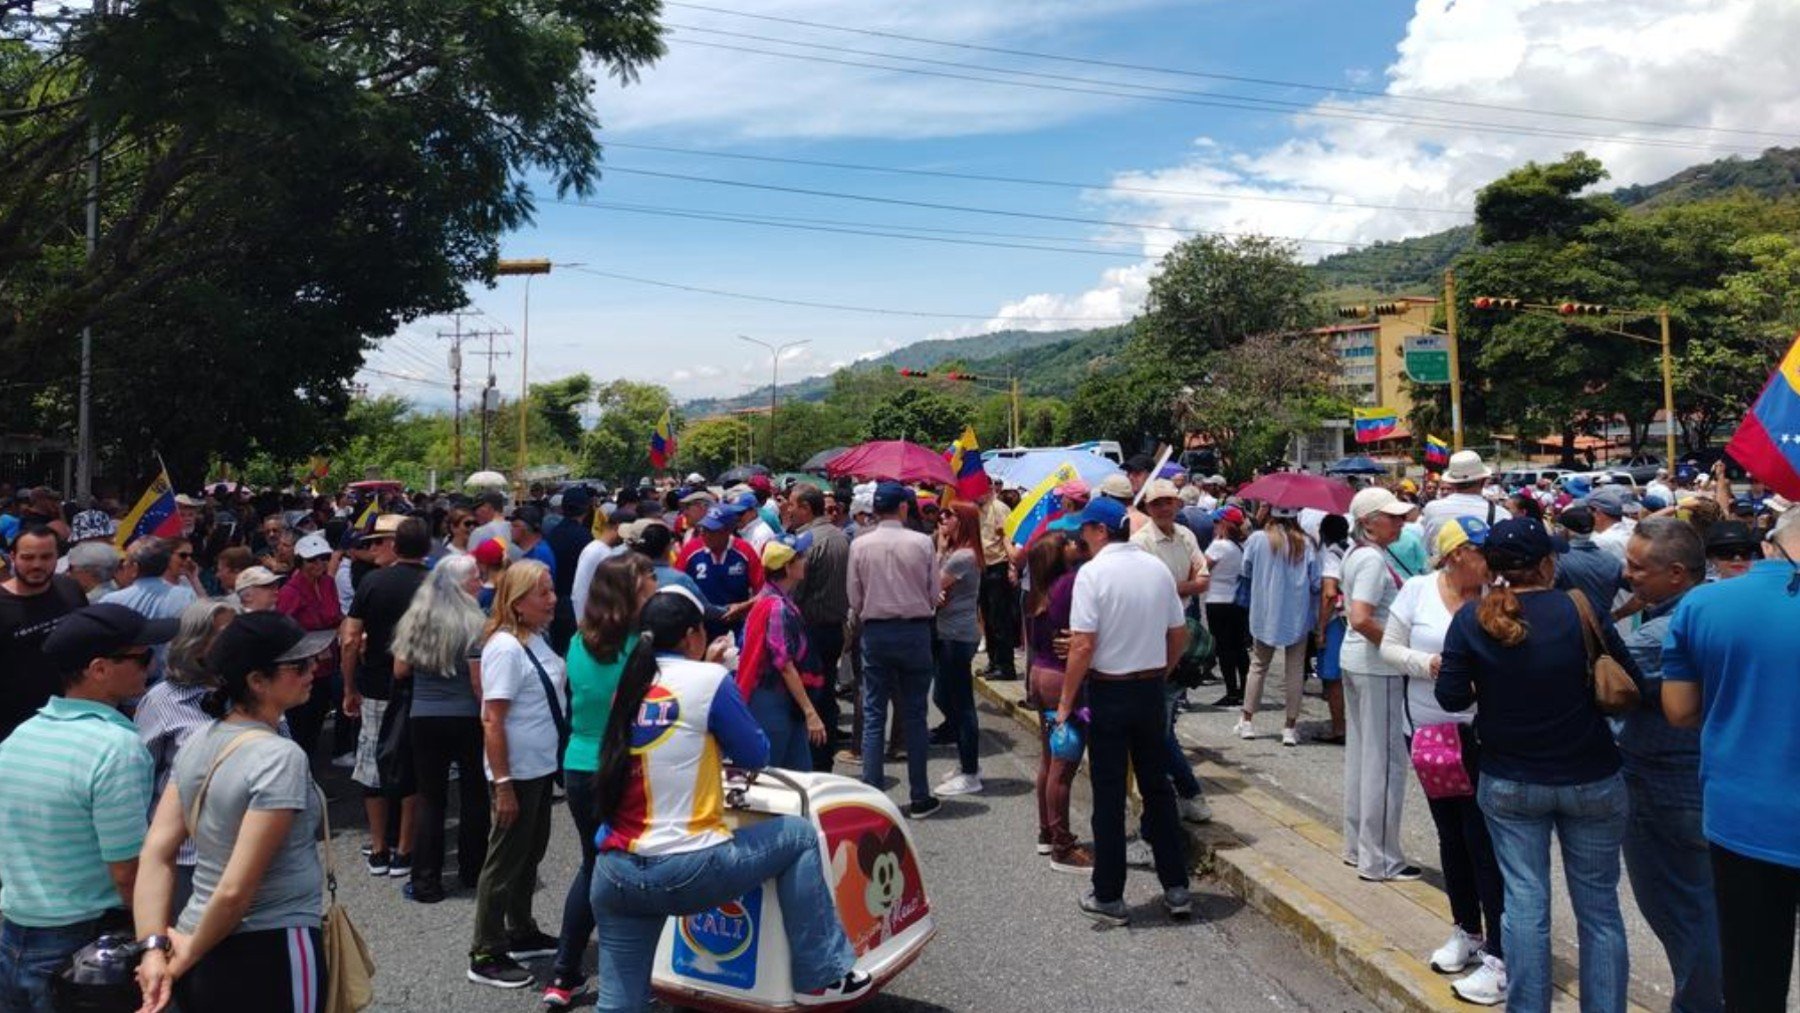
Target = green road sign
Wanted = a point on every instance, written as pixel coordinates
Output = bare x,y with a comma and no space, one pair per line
1427,358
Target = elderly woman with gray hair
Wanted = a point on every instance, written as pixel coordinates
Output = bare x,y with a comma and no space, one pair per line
437,646
170,711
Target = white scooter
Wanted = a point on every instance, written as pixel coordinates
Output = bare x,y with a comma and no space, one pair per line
734,957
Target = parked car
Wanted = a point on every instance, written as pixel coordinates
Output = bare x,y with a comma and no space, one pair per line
1643,467
1521,478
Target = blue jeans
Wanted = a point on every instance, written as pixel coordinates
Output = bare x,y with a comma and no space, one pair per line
636,895
28,958
896,664
1181,772
578,909
774,710
1670,866
956,680
1589,820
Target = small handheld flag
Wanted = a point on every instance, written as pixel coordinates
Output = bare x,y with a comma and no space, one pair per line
662,440
1767,442
1040,506
1437,452
156,513
1373,424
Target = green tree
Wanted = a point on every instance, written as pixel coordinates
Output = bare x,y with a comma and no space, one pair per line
919,414
1134,407
618,447
284,183
1212,292
1258,394
710,446
1538,202
559,404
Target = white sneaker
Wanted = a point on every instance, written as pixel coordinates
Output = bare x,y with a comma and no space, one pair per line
1487,986
958,784
1458,952
1289,737
1194,810
1139,853
1243,729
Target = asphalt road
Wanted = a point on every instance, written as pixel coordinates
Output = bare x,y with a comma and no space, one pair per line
1009,935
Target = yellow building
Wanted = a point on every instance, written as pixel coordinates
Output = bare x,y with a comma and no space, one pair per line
1371,373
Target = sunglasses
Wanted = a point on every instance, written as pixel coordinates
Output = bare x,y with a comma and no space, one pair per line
141,658
1734,555
184,555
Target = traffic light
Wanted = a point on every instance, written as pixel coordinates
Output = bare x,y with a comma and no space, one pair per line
1388,309
1353,312
918,373
968,377
1581,309
1489,302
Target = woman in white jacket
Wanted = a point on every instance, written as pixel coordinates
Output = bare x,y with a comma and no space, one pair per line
1416,624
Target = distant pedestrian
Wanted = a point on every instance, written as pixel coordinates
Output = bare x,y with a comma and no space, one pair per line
959,585
999,590
1127,631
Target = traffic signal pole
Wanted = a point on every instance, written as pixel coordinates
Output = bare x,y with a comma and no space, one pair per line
1456,420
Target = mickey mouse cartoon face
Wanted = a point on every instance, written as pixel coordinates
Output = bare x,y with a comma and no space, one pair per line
879,856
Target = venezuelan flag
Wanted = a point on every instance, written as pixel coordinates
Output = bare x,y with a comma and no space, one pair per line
965,463
1767,442
1437,452
155,513
662,440
1373,424
1040,506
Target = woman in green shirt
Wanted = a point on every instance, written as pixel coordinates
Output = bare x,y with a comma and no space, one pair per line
608,632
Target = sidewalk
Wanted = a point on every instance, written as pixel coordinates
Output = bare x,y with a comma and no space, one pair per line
1279,855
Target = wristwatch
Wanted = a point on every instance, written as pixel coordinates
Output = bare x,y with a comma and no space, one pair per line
156,941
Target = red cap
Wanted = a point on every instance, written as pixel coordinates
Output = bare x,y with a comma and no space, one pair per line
491,552
760,483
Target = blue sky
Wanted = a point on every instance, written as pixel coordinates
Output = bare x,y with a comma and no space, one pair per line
1325,156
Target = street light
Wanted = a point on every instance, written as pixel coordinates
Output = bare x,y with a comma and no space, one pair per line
774,377
527,268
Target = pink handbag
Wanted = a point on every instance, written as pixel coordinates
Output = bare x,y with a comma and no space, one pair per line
1437,754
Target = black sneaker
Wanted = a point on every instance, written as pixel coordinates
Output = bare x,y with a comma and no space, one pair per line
531,946
498,970
1406,874
400,866
942,735
422,892
853,986
921,810
379,863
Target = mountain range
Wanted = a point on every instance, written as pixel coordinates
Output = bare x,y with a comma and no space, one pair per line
1047,362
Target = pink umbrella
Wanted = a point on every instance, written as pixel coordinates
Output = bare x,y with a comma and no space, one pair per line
1297,491
892,459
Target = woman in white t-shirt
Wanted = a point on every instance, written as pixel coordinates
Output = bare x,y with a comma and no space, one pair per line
524,704
1417,623
1228,621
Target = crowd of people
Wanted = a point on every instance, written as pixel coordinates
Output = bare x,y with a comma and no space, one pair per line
1602,665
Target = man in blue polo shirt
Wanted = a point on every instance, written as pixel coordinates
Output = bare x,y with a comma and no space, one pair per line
725,567
74,806
1729,670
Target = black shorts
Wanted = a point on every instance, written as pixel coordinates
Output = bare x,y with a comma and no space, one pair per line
273,971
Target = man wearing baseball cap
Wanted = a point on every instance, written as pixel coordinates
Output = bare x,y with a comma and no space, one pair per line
1127,631
727,569
70,832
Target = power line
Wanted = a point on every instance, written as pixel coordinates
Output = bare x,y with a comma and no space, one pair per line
1183,96
734,219
966,209
1232,78
404,377
823,305
1025,181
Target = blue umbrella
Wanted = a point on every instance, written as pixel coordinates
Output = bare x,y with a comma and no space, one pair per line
1027,470
1358,465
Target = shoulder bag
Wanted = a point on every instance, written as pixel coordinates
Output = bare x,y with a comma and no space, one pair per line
558,710
349,967
1614,692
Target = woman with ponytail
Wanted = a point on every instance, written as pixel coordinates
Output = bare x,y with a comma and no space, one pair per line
248,938
665,850
1547,763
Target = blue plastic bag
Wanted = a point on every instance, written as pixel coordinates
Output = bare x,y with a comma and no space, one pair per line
1066,740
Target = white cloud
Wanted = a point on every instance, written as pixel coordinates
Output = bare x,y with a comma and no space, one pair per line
728,95
1721,64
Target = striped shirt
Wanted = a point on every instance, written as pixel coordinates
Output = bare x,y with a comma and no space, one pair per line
165,717
73,800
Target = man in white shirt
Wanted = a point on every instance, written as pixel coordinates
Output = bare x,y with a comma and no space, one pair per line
1612,506
1126,633
1464,479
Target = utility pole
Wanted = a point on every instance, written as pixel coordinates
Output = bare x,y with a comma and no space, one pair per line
456,340
490,394
84,434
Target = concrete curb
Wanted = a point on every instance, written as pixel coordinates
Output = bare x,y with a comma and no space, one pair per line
1392,978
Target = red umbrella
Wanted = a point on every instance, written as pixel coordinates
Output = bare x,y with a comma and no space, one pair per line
892,459
1296,491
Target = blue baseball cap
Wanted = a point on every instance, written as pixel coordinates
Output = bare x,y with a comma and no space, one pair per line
1516,543
1067,522
1105,511
889,495
720,518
